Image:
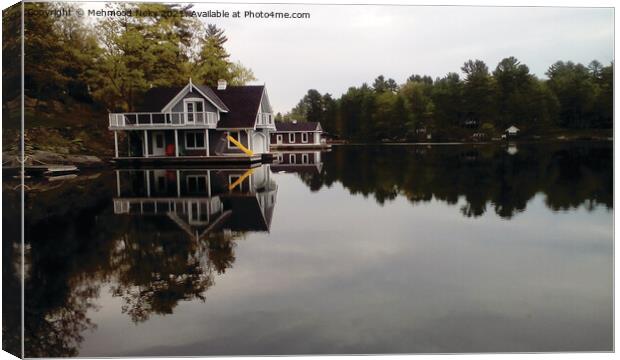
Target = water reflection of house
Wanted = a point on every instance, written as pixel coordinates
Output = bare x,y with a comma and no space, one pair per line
512,131
297,161
200,201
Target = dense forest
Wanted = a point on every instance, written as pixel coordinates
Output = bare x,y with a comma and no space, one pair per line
77,71
481,102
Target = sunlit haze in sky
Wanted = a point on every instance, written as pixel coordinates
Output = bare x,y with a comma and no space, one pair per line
346,45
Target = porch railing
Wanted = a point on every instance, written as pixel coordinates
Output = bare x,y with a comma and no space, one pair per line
139,119
265,119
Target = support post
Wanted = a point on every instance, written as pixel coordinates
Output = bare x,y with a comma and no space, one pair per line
176,143
178,184
146,144
115,143
148,183
207,140
118,183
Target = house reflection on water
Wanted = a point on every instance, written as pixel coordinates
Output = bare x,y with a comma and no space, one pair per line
199,201
301,162
203,211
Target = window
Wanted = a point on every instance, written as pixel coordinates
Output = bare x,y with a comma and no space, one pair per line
197,212
159,140
291,159
195,140
232,180
194,108
304,137
304,158
279,139
291,138
196,184
235,135
190,112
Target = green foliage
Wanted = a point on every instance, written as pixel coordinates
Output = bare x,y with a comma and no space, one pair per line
111,63
451,108
213,61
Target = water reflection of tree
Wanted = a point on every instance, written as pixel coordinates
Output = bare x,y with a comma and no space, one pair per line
156,266
11,265
483,177
76,244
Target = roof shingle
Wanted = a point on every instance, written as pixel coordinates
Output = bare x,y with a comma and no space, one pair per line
297,126
241,102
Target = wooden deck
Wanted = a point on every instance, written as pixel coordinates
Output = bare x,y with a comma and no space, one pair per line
230,161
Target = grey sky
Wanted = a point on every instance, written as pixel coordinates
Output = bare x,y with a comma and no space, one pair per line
343,46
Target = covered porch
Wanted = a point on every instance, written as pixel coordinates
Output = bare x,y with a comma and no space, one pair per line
184,144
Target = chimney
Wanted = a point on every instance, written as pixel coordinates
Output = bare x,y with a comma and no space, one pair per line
221,84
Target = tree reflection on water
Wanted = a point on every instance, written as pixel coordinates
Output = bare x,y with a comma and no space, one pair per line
84,234
501,178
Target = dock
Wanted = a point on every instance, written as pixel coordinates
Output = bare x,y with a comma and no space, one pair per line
40,170
228,160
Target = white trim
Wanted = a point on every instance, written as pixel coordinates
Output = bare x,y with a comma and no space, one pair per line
297,131
257,113
146,144
176,143
183,92
237,177
238,138
194,133
302,137
292,159
193,101
264,140
279,138
289,138
115,143
207,141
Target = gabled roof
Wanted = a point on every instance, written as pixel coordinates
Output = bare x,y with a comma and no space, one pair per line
156,98
243,102
211,95
298,126
246,215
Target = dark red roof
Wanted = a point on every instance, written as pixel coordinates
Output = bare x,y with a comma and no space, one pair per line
242,102
156,98
298,126
211,95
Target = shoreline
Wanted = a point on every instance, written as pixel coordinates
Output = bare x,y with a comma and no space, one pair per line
499,142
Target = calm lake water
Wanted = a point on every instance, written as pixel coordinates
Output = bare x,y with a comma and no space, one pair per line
363,249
